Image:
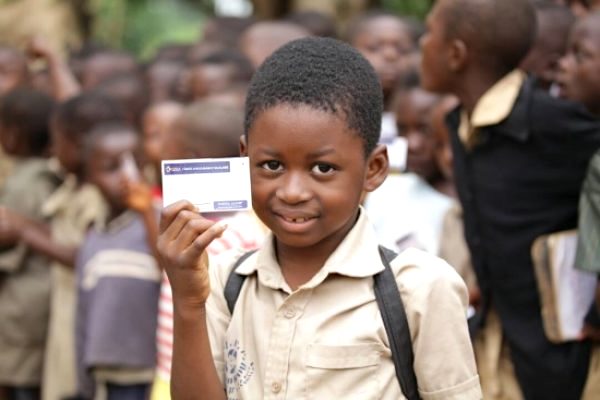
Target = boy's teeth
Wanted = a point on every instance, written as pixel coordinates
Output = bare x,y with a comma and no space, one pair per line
296,220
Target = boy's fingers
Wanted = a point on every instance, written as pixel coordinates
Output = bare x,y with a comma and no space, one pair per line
194,252
168,214
193,228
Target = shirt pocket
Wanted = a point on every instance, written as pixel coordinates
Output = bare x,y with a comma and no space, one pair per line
346,372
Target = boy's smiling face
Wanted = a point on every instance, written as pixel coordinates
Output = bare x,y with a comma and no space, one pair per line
308,172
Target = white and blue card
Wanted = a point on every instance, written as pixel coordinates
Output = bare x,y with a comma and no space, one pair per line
211,184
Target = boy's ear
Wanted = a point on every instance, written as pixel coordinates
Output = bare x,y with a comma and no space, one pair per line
458,55
377,168
243,146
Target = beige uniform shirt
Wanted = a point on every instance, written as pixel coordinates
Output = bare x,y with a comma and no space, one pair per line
326,340
24,279
72,210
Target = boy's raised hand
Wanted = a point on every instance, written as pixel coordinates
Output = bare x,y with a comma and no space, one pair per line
183,238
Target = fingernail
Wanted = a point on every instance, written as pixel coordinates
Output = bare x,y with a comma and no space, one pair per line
220,226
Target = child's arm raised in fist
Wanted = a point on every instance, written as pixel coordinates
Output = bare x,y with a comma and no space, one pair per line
183,238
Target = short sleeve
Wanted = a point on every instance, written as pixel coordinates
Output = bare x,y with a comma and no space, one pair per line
436,299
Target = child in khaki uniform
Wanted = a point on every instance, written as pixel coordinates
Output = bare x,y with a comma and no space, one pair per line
24,276
306,323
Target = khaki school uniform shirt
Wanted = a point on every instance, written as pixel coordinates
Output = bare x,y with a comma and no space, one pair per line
72,209
24,279
326,340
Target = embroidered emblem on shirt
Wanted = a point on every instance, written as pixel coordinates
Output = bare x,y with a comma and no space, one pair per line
238,370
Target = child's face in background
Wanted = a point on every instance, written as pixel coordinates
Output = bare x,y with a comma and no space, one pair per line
308,172
435,74
580,68
66,149
549,46
156,125
13,70
385,41
162,79
413,110
208,79
106,166
443,150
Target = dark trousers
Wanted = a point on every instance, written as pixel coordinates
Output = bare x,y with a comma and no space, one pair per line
22,393
127,392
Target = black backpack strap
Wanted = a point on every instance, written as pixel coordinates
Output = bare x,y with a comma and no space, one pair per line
396,325
235,282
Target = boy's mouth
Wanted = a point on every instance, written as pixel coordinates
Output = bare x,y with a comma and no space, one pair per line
298,220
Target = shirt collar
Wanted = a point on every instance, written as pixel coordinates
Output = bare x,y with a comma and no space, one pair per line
357,256
493,107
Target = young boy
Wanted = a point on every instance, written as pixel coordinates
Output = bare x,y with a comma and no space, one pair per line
387,42
117,276
306,321
24,276
156,126
553,25
519,160
579,68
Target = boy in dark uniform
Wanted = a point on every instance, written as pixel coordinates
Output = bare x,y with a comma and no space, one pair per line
520,157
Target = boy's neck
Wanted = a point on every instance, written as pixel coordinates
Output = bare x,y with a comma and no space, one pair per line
299,264
476,83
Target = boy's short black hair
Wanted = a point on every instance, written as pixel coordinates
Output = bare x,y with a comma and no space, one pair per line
28,112
499,33
81,113
325,74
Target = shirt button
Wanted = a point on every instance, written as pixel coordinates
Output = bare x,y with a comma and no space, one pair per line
276,387
289,313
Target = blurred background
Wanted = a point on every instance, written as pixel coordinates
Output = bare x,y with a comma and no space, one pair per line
142,26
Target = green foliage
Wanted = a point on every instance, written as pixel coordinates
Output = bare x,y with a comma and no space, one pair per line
415,8
142,26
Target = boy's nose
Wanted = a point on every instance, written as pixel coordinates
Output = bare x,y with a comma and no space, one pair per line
293,189
391,52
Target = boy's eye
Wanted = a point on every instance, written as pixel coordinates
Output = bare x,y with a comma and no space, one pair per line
322,169
272,165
